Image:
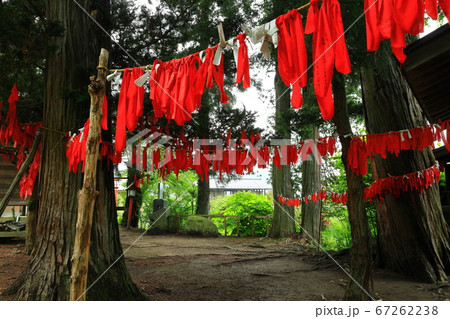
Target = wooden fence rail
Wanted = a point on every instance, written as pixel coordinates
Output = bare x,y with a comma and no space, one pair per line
225,217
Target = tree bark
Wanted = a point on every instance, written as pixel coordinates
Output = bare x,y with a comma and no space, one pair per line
283,222
361,285
32,219
311,212
413,235
203,197
203,130
47,274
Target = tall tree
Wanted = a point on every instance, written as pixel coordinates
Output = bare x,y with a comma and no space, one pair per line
283,222
360,287
311,184
204,128
47,274
361,284
306,123
413,235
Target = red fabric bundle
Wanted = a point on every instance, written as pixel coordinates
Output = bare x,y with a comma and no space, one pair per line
76,149
27,182
156,157
292,155
11,117
431,8
217,73
176,86
445,6
121,121
394,144
243,67
432,11
23,137
329,51
389,19
276,157
130,106
135,99
326,145
264,157
445,127
105,113
292,58
400,184
377,144
108,151
380,25
357,156
409,15
339,198
133,155
144,158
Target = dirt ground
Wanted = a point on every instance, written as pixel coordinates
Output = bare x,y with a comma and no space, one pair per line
231,268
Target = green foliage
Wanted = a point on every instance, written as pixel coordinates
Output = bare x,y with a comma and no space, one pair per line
336,235
245,205
336,229
180,194
442,181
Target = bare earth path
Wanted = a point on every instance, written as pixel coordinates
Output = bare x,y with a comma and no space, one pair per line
188,268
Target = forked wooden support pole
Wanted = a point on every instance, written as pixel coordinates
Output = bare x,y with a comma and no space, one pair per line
88,194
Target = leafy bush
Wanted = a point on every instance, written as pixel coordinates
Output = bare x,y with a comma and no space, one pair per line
245,205
337,235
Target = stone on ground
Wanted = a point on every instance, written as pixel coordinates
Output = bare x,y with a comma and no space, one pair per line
200,226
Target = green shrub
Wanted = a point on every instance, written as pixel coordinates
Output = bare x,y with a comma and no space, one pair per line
244,205
336,234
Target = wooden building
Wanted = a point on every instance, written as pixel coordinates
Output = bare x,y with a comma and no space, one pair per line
247,184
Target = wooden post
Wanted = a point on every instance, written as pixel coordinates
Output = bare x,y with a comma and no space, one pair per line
130,212
88,194
21,172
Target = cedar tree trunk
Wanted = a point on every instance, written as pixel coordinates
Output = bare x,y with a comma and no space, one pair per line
203,131
311,218
413,235
203,197
47,274
32,219
361,259
283,223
